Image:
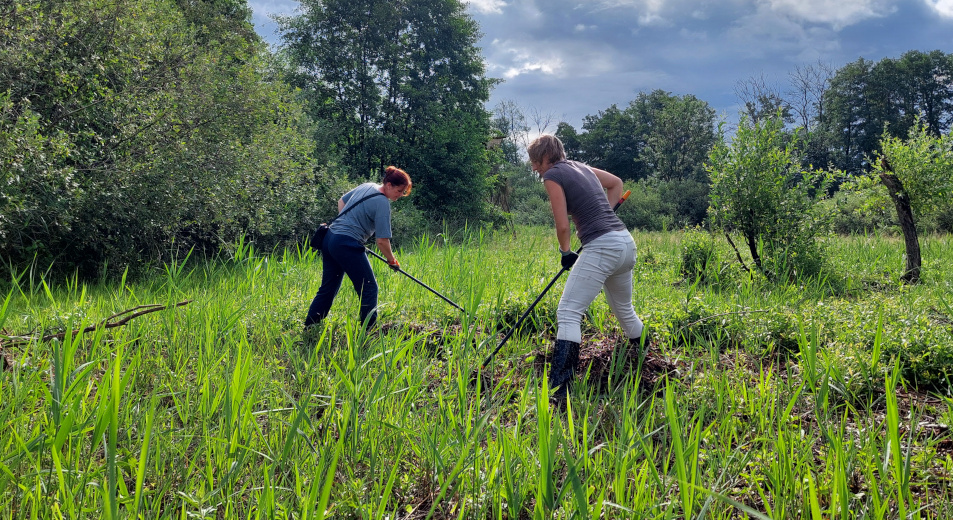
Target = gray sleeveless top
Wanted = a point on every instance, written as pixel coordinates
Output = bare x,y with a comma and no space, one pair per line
585,200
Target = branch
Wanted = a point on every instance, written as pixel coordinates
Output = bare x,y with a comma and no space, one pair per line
737,253
16,341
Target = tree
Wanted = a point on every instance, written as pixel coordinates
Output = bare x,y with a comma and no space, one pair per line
918,172
567,134
849,117
805,97
759,191
144,136
510,122
614,142
762,99
927,90
400,83
680,133
865,99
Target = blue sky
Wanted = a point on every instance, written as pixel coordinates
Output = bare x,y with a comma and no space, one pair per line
566,59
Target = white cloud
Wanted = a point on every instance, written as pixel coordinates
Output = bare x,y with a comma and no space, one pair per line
525,60
837,14
547,68
943,7
487,6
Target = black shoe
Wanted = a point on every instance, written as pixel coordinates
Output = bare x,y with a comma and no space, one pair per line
310,334
563,367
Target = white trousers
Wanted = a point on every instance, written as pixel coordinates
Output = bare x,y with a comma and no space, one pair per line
605,264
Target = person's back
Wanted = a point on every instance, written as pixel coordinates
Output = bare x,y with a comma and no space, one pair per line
585,200
370,217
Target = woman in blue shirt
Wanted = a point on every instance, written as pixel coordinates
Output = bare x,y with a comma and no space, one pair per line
343,247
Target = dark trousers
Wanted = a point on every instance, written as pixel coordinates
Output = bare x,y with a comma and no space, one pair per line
344,255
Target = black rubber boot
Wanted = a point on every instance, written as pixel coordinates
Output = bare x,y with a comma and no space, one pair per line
563,367
636,343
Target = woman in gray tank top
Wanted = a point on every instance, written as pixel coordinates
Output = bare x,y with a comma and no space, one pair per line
606,261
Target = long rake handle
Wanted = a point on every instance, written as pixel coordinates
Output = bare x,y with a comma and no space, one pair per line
425,286
540,297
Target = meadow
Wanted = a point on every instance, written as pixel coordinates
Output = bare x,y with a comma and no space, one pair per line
812,398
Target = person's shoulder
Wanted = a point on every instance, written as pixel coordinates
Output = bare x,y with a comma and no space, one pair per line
576,165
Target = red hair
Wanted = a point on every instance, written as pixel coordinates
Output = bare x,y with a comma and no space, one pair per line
398,177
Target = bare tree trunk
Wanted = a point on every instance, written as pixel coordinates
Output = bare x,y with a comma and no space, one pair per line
752,241
905,215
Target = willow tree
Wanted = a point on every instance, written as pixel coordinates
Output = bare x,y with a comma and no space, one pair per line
760,191
918,172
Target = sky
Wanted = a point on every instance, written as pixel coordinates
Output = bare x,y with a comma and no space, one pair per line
566,59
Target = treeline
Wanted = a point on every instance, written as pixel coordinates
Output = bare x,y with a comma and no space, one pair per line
661,142
132,132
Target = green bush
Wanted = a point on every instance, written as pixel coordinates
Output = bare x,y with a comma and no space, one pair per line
860,211
129,133
644,209
699,257
528,202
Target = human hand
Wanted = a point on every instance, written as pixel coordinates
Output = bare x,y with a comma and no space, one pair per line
395,265
568,259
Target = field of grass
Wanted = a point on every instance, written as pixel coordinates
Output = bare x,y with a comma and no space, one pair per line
812,399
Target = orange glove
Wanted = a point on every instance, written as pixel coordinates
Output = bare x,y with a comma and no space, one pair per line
395,265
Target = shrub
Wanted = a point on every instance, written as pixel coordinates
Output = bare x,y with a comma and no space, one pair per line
699,257
760,192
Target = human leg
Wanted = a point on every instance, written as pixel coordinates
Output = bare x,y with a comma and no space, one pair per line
331,276
358,269
618,291
584,284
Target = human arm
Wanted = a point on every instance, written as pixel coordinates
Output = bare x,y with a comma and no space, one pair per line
383,244
557,202
611,183
340,205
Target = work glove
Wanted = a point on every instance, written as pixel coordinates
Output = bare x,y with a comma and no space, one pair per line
395,265
568,259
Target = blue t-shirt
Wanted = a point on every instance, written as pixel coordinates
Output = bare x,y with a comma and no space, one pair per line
371,217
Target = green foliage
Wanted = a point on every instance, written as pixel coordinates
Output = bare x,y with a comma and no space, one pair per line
699,256
760,192
657,205
147,134
645,209
399,83
924,164
860,206
528,201
658,135
865,98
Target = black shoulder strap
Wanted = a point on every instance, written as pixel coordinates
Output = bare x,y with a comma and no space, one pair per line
352,206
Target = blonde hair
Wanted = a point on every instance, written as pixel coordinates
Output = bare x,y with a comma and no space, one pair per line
546,147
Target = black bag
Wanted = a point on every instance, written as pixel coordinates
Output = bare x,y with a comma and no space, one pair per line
317,237
316,240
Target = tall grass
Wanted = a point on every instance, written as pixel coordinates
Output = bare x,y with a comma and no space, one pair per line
779,401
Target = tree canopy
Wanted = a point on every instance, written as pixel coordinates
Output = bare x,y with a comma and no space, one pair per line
129,129
398,83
